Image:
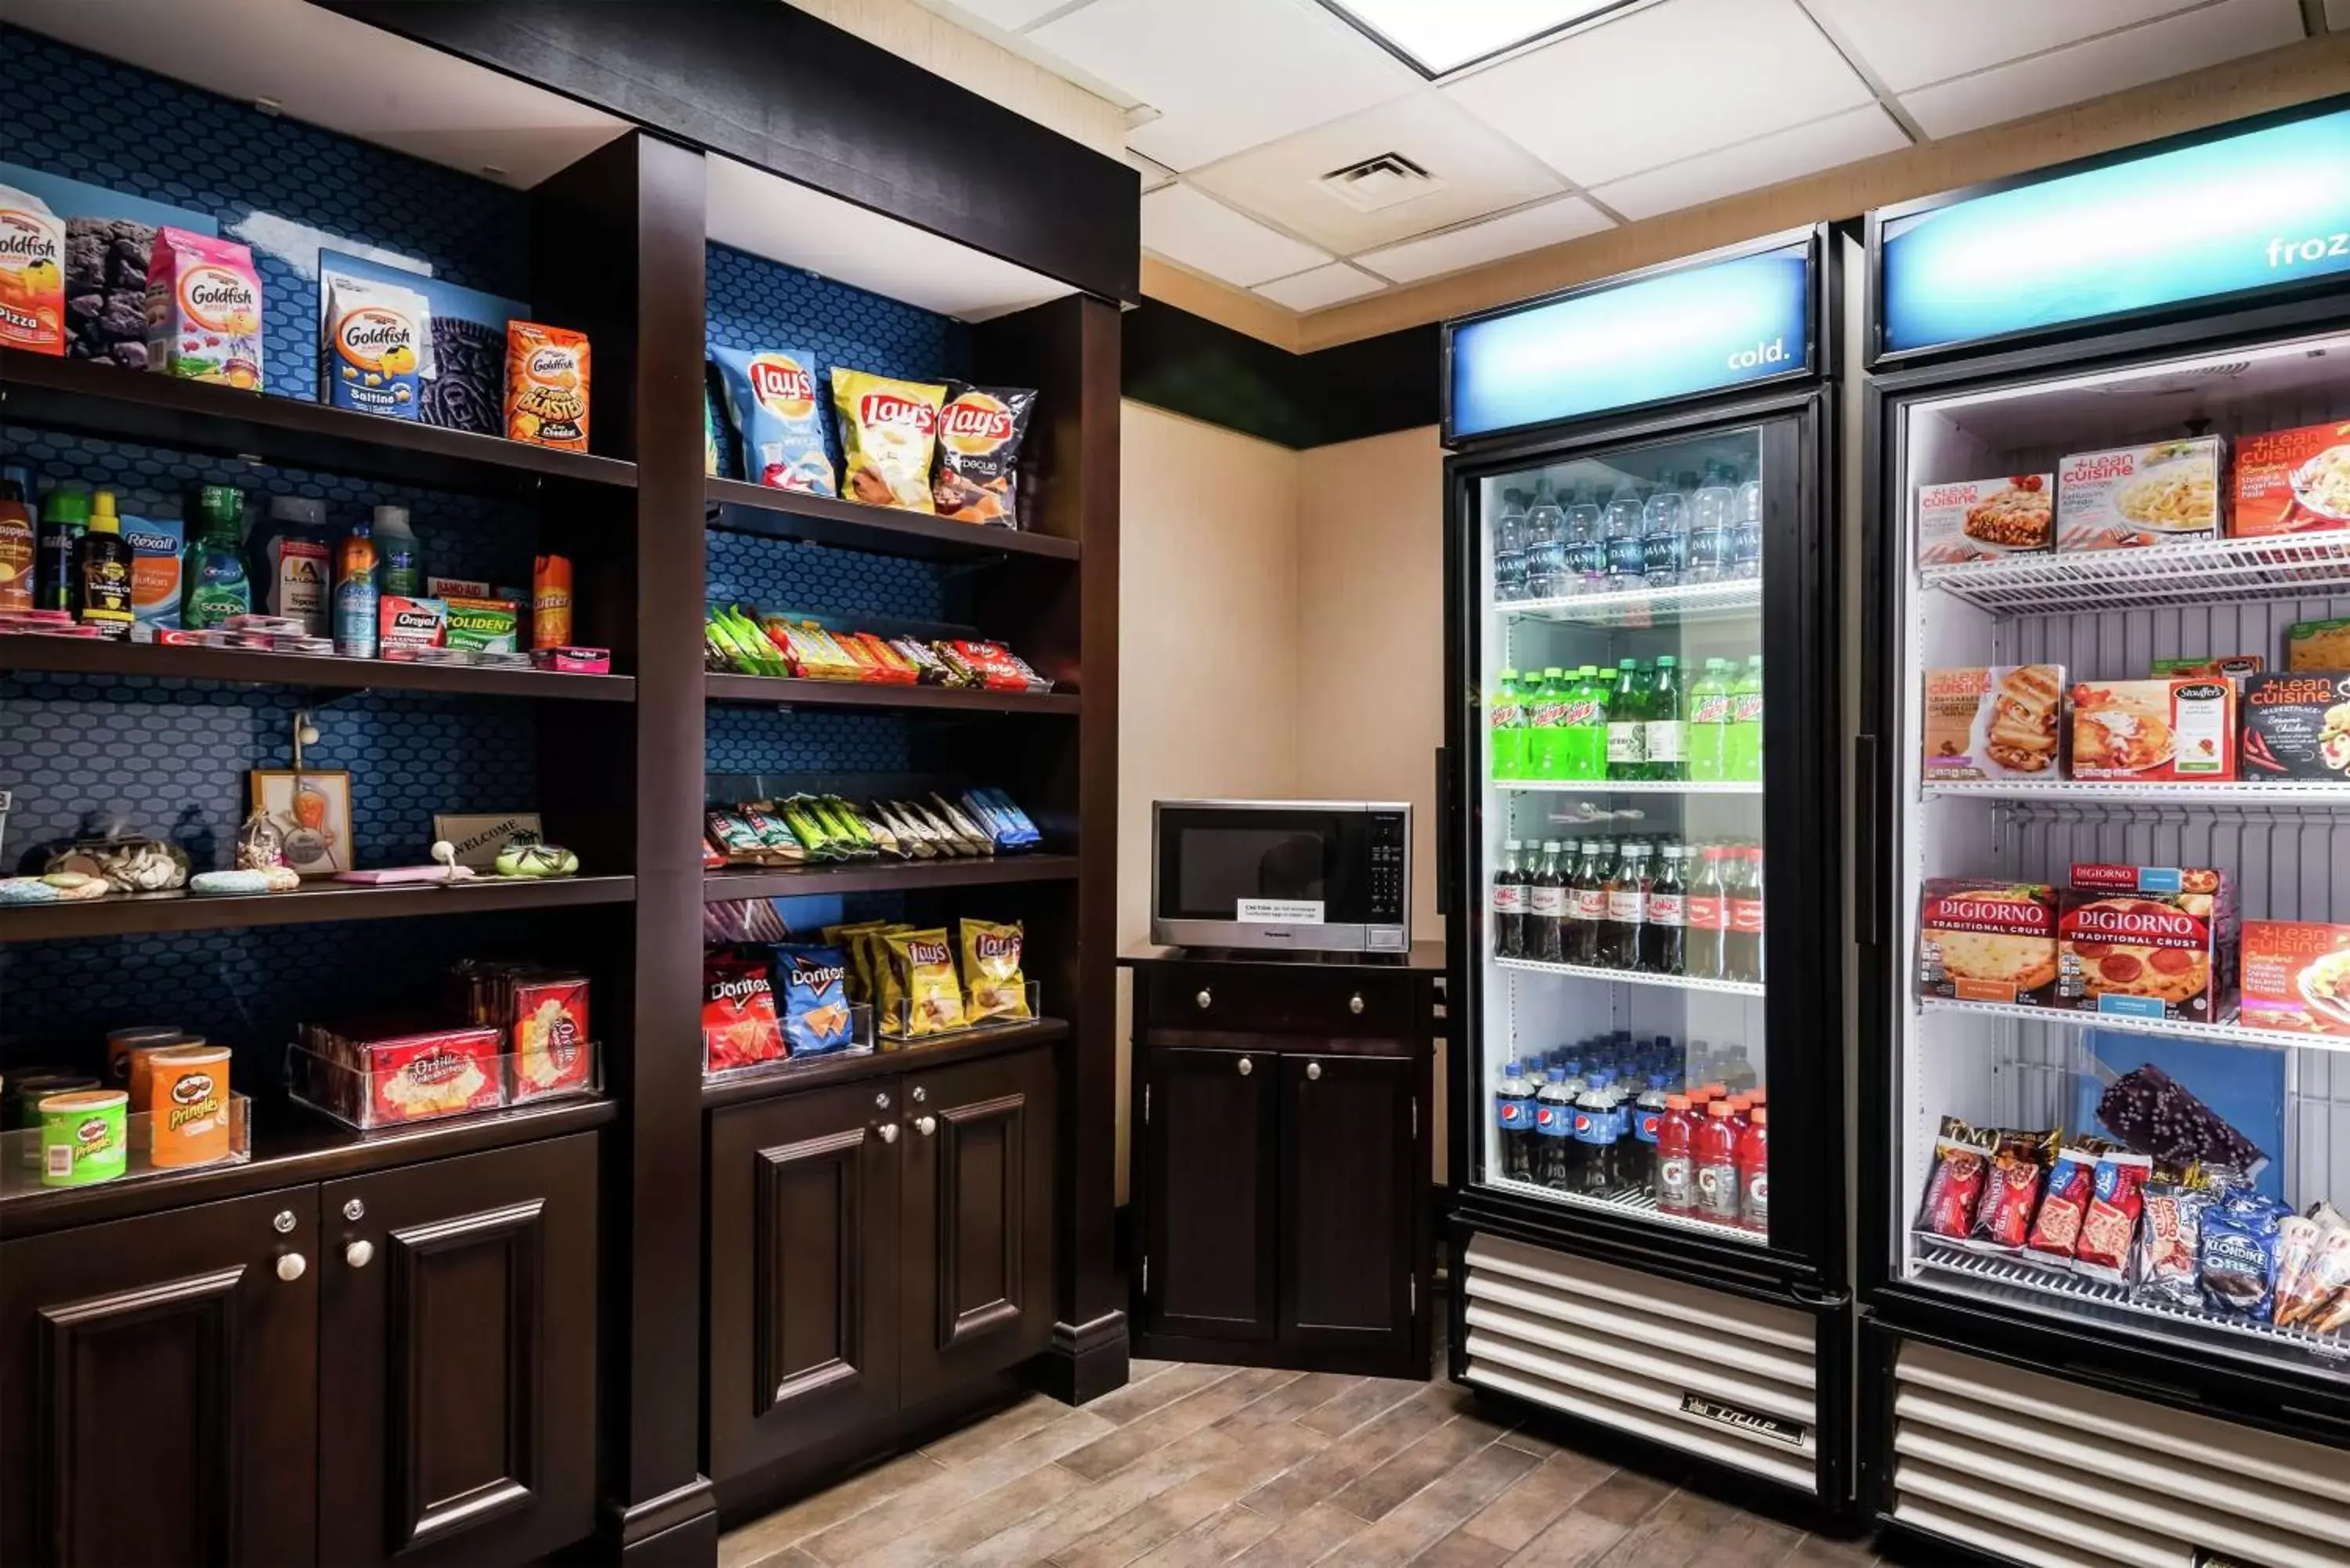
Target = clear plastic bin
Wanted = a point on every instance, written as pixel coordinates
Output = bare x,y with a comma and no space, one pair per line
20,1153
435,1086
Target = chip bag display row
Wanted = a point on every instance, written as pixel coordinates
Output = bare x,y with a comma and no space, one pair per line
912,978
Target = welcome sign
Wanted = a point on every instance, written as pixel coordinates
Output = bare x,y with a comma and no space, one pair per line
1700,329
2260,208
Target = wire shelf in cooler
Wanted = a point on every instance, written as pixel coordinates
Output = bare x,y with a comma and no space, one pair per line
2218,1033
2119,791
1642,787
2017,1280
2204,573
1646,606
1641,1204
1633,977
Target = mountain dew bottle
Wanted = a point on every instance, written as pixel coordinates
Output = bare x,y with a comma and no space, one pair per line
1743,747
1545,726
1505,711
1709,724
1587,726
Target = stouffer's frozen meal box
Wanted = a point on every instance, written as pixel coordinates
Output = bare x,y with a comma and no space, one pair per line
2146,941
2292,482
2296,725
2235,666
1997,721
2155,730
1982,940
1978,519
2296,976
2168,493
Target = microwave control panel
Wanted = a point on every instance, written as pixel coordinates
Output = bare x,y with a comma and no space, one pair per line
1390,847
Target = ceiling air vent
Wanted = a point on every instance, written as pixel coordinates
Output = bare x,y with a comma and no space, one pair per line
1379,182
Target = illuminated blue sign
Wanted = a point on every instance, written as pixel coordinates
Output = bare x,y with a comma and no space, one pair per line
2267,207
1698,329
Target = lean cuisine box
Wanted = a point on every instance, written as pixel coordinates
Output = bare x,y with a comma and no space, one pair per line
2296,976
2146,941
1996,720
2296,725
2145,731
2292,482
2168,493
1979,519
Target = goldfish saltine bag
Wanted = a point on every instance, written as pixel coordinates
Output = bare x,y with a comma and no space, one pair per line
772,394
888,430
378,346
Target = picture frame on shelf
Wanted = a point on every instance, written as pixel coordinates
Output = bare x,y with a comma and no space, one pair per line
479,835
312,806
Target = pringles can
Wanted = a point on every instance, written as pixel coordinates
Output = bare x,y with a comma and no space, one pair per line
187,1104
84,1138
118,1042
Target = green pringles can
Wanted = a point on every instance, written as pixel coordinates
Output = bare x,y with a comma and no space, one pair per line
85,1137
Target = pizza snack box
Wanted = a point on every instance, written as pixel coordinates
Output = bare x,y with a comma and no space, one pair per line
2296,976
2317,644
2166,493
2146,941
2296,725
1981,519
2155,730
1992,722
2292,482
1984,939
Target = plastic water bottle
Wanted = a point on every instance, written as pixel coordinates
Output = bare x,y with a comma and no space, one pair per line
1586,547
1708,528
1510,550
1625,531
1664,531
1553,1132
1545,545
1746,529
1514,1119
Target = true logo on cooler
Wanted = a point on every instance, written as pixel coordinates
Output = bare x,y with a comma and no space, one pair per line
889,408
1774,352
783,385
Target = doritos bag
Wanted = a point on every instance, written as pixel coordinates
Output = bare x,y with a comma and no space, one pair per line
772,394
923,965
887,430
980,431
738,1013
814,984
991,971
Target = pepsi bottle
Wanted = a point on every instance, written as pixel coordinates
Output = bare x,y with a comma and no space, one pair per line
1553,1132
1595,1129
1513,1121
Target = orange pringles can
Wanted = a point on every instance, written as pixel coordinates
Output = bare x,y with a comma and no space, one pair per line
139,1059
550,602
187,1104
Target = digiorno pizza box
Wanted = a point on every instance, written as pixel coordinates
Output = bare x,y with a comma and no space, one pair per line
1984,939
2146,941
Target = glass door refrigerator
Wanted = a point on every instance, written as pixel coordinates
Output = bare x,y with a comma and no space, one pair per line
2105,859
1640,843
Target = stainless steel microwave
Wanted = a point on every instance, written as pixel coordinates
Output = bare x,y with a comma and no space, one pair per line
1319,875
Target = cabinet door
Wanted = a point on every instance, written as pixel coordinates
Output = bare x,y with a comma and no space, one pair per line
457,1357
803,1271
977,1247
1349,1170
157,1396
1210,1222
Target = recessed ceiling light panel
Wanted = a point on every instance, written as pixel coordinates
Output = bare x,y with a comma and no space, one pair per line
1437,37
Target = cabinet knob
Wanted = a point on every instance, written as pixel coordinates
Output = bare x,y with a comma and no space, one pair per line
920,1094
882,1099
1205,1000
926,1125
888,1132
1247,1067
292,1266
1355,1002
1314,1070
355,1210
283,1222
360,1255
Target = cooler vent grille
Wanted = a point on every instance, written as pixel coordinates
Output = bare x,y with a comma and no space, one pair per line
1729,1379
2059,1475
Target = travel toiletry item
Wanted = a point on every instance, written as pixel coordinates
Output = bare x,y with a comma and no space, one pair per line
216,587
293,564
401,569
156,546
102,571
356,594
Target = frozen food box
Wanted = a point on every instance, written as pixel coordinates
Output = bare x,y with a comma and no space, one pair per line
1997,721
2168,493
1980,519
2296,976
2296,725
2235,666
1982,940
2292,482
2146,941
2148,732
2317,644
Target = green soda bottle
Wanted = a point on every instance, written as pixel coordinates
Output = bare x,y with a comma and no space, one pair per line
1743,748
1708,723
1545,726
1505,713
1627,749
1587,726
1668,732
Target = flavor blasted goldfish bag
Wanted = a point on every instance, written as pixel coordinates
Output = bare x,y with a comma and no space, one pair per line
887,432
546,386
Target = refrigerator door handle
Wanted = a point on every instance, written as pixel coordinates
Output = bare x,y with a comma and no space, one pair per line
1868,896
1827,1301
1444,827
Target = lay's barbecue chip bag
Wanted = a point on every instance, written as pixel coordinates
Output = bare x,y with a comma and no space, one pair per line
887,432
980,431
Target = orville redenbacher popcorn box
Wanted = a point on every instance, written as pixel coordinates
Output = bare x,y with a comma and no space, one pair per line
2147,941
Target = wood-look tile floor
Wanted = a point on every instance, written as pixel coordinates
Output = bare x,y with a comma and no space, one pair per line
1192,1465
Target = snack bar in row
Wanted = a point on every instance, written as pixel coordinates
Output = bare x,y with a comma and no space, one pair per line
806,828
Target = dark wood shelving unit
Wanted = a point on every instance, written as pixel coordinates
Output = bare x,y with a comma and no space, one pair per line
87,398
887,877
786,691
736,507
131,914
828,1071
106,655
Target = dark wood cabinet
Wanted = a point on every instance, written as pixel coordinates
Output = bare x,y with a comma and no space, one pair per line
1351,1170
1210,1120
158,1395
876,1248
457,1366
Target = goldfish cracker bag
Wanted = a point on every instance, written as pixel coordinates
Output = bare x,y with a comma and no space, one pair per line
32,274
888,431
923,964
203,310
991,967
546,386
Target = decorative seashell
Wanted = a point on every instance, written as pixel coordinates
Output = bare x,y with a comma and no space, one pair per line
75,886
230,882
282,879
26,890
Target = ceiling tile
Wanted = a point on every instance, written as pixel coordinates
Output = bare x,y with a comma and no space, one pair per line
1225,74
1480,171
1324,286
1663,83
1843,137
1911,45
2130,59
1154,174
1009,15
1201,233
1553,223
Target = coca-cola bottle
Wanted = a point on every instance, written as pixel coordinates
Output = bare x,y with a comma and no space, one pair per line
1586,903
1741,944
1546,906
1628,893
1706,917
1663,918
1510,903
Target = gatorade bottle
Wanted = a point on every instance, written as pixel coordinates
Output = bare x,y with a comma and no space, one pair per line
1742,746
1676,1178
1715,1151
1514,1119
1665,735
1627,749
1754,1172
355,594
1553,1132
1505,712
1546,708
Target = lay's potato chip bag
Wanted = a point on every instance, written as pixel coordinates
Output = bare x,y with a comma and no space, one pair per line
923,962
772,395
990,969
888,430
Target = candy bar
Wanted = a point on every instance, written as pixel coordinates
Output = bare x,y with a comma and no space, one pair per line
2150,1112
1961,1165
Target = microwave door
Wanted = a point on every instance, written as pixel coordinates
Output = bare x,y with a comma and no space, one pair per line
1274,877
